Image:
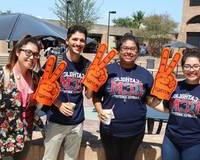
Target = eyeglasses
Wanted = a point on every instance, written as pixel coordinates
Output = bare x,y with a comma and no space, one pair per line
30,53
188,67
132,49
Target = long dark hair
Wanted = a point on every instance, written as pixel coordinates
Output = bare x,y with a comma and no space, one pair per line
13,57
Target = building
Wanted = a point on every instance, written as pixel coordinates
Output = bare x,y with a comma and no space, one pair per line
100,33
190,25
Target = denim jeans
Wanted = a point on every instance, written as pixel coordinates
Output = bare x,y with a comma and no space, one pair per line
171,151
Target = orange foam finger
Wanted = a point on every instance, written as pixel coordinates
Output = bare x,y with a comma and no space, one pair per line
45,96
164,85
99,54
49,67
58,71
108,58
173,63
164,60
93,80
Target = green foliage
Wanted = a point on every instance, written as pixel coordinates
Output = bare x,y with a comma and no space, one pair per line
158,31
133,22
159,25
81,12
138,19
123,22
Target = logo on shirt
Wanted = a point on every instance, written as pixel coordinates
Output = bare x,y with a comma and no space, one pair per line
126,88
71,82
185,105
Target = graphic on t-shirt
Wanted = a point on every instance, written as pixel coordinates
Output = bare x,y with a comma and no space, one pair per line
185,105
71,82
126,88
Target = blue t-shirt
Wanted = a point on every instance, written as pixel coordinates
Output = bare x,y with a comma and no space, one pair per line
126,90
184,121
71,91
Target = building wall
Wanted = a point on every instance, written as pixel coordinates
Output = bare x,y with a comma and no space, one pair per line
113,33
188,12
3,47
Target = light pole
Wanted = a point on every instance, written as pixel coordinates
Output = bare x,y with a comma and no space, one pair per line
68,2
108,34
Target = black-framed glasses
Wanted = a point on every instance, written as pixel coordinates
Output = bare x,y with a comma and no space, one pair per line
30,53
132,49
188,67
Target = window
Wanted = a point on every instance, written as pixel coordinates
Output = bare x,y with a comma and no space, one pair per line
195,19
194,2
193,38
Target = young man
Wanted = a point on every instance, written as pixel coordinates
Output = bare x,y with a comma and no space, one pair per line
65,121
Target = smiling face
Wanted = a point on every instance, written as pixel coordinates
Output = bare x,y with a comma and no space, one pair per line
76,43
191,70
28,55
128,52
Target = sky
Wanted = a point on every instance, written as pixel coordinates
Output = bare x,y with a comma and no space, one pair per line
123,8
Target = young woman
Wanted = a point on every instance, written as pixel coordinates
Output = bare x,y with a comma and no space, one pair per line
17,83
182,137
125,92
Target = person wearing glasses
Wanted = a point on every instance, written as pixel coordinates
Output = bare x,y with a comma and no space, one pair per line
125,92
17,84
182,136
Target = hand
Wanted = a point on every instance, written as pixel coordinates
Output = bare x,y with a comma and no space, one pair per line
96,74
102,116
165,81
48,88
66,109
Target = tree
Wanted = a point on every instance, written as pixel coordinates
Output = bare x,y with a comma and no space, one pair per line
138,19
159,24
123,22
81,12
157,31
133,22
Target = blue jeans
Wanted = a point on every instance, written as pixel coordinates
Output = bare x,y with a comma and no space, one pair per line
170,151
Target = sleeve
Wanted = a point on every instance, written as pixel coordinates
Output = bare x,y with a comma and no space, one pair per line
149,84
166,104
99,94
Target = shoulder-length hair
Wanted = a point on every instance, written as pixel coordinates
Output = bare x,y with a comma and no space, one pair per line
13,57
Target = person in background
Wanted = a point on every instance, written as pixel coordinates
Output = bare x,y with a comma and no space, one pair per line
18,81
66,122
125,92
182,136
143,49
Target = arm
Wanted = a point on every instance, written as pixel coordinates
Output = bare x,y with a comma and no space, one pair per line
64,108
88,93
156,103
98,105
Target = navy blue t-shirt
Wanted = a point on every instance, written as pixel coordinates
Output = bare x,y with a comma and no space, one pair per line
126,90
184,121
71,91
